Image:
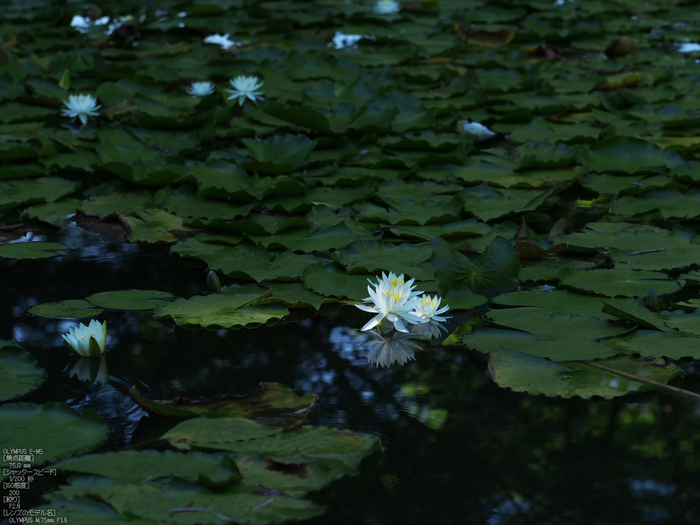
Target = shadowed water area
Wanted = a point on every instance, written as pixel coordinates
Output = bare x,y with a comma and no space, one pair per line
218,181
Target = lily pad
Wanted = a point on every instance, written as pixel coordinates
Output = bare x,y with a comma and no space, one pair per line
69,309
31,250
157,502
557,337
225,309
628,155
278,154
617,283
273,404
526,373
339,450
132,466
19,371
130,299
332,281
27,425
495,269
652,343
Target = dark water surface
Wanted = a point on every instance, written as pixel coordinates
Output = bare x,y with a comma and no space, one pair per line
457,448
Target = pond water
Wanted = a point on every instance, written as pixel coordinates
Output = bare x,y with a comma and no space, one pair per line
457,449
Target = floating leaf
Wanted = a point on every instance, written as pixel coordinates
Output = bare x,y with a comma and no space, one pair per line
496,268
224,309
69,309
131,466
31,250
554,336
44,426
617,283
339,450
628,155
273,404
652,343
130,299
157,502
526,373
278,154
19,371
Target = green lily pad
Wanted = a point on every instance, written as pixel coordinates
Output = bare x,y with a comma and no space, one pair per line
332,281
339,450
294,295
278,154
31,250
495,269
34,191
562,301
19,371
131,466
273,404
130,299
670,204
158,502
373,258
69,309
628,155
224,309
26,425
635,246
540,333
526,373
308,240
653,343
617,283
685,322
85,511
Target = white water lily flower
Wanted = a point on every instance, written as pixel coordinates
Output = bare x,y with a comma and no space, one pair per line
387,351
87,340
342,40
477,129
81,106
245,87
386,7
84,24
394,300
200,89
221,40
428,309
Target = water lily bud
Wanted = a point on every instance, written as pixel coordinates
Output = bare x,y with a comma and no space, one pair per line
213,282
651,300
64,81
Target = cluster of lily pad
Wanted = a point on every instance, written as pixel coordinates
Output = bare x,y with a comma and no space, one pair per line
367,156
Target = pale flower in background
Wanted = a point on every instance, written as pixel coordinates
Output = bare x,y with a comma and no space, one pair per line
81,106
395,349
394,300
386,7
245,87
477,129
87,340
341,40
200,89
84,24
221,40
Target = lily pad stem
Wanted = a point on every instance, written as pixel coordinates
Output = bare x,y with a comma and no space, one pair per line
661,386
